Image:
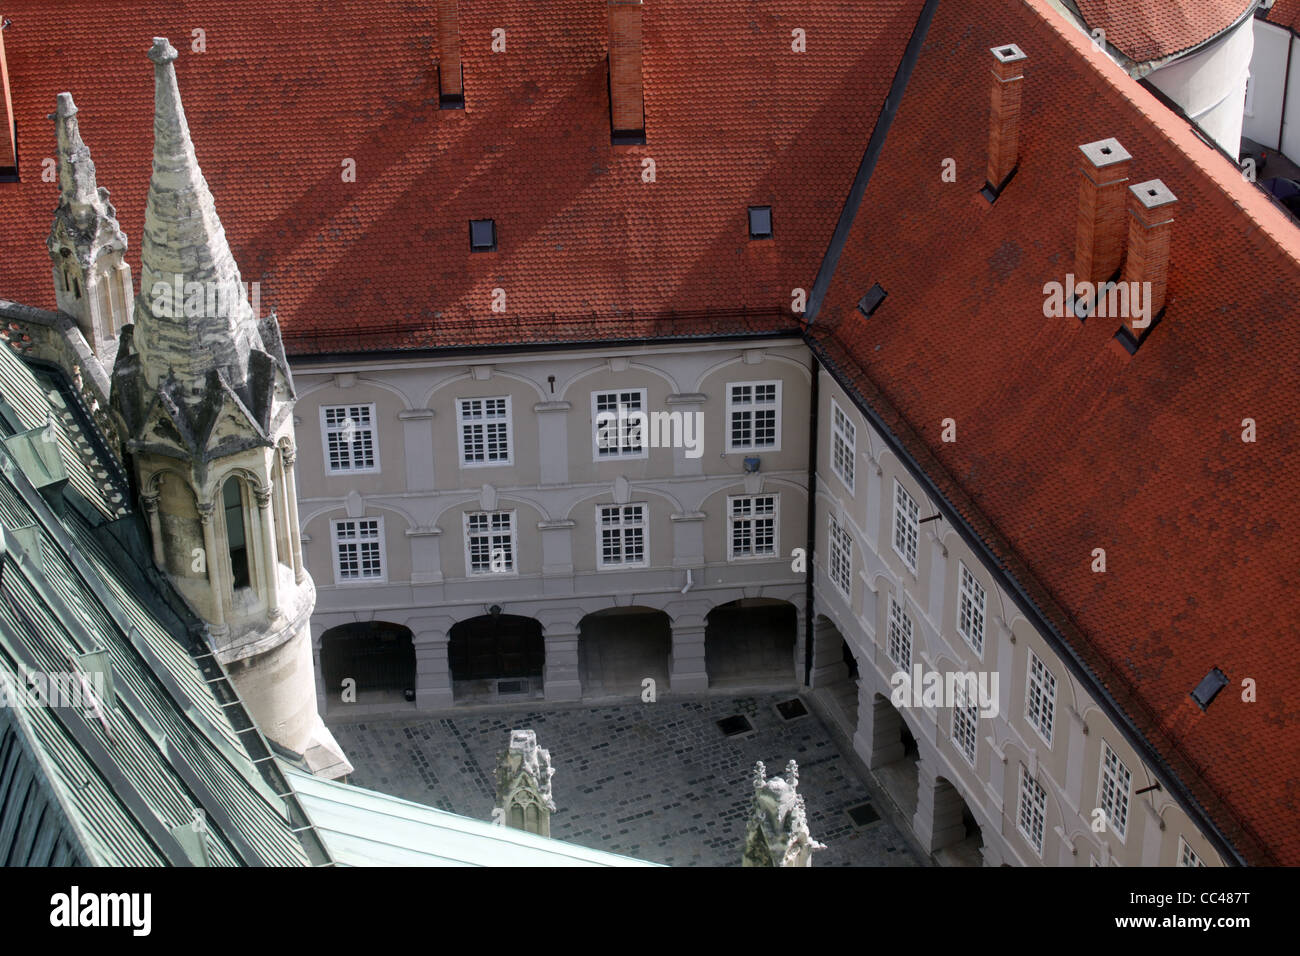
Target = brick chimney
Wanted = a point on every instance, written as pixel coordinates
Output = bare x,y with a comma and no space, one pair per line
1099,244
626,92
8,135
451,94
1004,117
1150,226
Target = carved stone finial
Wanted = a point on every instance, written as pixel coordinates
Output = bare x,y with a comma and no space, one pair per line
524,774
162,52
777,834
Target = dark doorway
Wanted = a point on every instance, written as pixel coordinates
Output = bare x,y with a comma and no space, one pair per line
850,661
497,655
619,648
751,642
376,655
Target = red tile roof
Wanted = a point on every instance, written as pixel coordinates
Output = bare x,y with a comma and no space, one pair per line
1065,443
1146,31
1286,13
734,118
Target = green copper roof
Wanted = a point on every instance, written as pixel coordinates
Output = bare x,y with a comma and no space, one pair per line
122,782
365,828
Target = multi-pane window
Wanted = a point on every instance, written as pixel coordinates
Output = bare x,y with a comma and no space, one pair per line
622,530
753,526
900,635
1113,790
907,527
617,433
1040,698
484,425
965,724
970,610
1186,855
753,416
1032,818
841,559
359,549
490,542
349,438
843,443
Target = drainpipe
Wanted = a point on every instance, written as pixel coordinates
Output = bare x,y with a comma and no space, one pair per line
812,525
690,580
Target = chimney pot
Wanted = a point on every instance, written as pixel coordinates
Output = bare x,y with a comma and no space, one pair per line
450,89
1150,229
626,89
1004,116
1099,245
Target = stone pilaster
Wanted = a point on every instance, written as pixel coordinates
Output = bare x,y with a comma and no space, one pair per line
560,677
687,672
938,819
879,738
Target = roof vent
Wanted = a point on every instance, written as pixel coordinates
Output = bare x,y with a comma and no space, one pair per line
1004,118
37,453
482,235
1209,687
451,74
871,301
760,222
9,130
626,87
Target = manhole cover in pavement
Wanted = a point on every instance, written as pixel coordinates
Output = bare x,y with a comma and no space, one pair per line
792,708
863,814
735,725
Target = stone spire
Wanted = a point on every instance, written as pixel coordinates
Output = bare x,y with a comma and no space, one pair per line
777,834
203,399
92,281
193,314
524,774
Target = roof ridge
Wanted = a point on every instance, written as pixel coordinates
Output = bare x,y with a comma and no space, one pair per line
1201,157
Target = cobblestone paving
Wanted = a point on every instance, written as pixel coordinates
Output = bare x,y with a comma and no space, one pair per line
656,781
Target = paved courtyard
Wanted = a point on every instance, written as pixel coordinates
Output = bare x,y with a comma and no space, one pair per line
658,781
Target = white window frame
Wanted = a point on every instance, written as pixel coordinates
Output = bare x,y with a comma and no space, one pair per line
514,545
900,633
339,577
965,724
1046,696
833,548
752,518
911,530
482,423
622,527
1114,790
645,425
1187,857
327,429
978,610
849,439
1025,822
751,408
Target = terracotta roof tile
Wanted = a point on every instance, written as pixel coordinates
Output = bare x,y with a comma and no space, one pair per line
734,118
1064,442
1148,31
1286,13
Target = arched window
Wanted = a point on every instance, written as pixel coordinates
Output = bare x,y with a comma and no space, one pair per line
232,499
